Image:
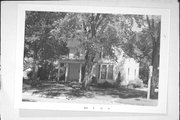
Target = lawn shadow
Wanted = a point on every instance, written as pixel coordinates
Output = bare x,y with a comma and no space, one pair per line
73,90
124,93
58,89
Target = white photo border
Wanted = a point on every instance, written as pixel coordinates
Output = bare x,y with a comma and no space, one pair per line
161,108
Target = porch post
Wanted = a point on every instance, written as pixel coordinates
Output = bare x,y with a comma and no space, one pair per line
80,73
59,65
66,74
107,70
100,71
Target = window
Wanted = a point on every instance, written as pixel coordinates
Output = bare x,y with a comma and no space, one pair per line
134,73
110,72
106,71
128,73
103,71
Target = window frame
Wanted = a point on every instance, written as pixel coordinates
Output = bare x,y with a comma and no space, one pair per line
107,70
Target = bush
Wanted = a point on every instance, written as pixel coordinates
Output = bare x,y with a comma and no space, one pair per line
144,73
105,85
137,83
94,80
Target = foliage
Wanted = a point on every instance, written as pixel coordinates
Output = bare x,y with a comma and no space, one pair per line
144,73
95,34
90,29
144,46
39,43
137,83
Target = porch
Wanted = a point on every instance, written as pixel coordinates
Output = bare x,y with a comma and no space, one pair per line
72,70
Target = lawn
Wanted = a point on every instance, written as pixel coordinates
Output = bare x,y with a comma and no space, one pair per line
72,93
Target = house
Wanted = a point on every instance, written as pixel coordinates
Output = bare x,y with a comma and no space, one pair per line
123,69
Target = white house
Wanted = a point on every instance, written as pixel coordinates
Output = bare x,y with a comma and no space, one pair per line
124,69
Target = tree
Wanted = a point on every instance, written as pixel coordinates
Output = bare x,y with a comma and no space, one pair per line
154,25
144,45
39,42
94,31
101,33
101,37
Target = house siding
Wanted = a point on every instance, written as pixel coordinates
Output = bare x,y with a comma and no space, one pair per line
127,69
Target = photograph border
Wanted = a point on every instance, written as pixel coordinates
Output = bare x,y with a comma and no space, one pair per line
164,52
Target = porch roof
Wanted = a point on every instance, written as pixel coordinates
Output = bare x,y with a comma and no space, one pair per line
71,61
83,61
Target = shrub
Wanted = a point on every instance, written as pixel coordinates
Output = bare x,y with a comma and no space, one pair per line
105,85
94,80
144,72
137,83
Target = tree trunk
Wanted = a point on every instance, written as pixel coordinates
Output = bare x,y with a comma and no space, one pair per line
149,81
86,81
87,76
89,72
153,83
155,35
35,64
155,64
35,71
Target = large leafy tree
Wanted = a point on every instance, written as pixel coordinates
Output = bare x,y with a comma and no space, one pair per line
40,44
97,33
144,45
154,26
101,36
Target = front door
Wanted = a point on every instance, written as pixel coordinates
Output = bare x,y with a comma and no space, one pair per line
73,72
